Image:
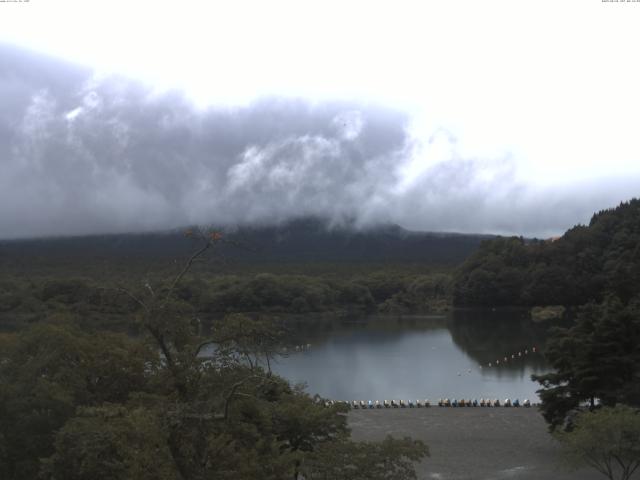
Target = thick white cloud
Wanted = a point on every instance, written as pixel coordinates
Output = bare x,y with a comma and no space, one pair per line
552,83
86,153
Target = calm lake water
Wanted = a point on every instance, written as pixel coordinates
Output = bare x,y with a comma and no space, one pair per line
418,356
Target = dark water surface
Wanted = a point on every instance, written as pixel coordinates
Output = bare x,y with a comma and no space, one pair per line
418,356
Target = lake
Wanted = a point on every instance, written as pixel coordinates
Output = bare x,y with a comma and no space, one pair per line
413,357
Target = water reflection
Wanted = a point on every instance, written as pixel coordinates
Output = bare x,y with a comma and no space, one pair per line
418,357
490,335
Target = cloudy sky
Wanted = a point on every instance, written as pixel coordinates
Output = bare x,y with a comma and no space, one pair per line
512,117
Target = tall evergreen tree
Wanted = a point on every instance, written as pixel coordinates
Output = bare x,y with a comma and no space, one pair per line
596,361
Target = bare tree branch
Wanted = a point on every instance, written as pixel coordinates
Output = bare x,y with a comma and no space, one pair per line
186,268
235,387
153,294
132,296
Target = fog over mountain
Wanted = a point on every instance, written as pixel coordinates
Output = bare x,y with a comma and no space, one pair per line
82,153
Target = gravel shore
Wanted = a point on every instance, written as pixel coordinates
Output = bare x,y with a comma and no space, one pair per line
473,443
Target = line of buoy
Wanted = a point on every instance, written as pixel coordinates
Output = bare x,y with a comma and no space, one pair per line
483,402
513,356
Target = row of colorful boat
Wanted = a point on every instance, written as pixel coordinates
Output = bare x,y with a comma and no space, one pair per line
483,402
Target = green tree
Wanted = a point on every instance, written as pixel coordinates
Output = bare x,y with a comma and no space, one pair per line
607,440
586,264
171,403
596,359
49,370
111,442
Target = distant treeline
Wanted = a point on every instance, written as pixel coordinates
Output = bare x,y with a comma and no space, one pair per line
586,264
25,300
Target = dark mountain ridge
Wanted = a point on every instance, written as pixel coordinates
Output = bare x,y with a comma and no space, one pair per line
301,240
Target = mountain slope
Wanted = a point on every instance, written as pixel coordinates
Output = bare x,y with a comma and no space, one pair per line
303,240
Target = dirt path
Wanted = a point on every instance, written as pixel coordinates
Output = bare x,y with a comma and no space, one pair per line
472,443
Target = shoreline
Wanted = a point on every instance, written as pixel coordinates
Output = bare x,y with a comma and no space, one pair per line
472,443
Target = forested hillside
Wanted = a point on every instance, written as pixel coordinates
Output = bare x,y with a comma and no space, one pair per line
585,264
299,267
305,240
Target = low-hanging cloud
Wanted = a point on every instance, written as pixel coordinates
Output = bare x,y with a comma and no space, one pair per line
85,154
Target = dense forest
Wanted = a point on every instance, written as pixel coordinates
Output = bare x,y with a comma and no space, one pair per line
596,270
586,264
81,400
299,267
94,303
